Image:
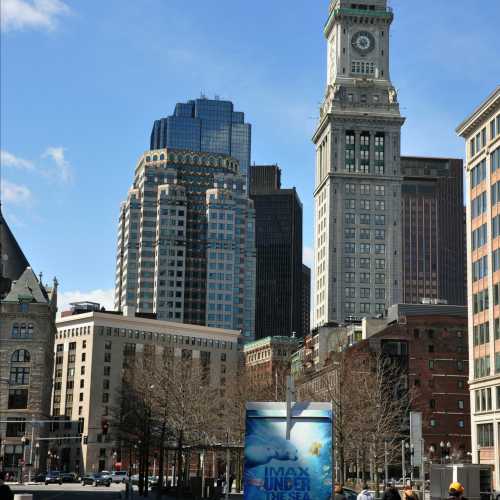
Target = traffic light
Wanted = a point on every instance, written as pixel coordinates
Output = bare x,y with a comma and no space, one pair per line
104,427
85,439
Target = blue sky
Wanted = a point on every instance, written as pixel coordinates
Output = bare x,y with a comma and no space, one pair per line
83,80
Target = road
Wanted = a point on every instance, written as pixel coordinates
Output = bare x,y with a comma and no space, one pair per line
69,491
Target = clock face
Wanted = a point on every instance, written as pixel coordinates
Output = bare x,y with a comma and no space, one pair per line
363,42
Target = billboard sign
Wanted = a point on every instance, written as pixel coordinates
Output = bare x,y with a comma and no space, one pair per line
299,468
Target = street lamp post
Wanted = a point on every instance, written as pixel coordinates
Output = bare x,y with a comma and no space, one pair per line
21,462
37,457
478,454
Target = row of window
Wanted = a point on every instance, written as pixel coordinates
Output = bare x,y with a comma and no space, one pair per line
364,219
364,293
22,330
364,189
363,262
364,234
363,67
379,248
350,307
364,204
164,337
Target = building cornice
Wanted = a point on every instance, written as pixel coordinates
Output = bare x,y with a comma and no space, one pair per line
480,115
117,320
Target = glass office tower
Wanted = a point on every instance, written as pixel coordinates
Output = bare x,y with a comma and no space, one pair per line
207,125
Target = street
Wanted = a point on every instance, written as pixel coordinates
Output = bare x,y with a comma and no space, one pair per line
69,491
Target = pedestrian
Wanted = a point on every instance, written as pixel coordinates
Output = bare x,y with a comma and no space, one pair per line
231,481
365,493
456,491
409,493
391,493
339,492
5,491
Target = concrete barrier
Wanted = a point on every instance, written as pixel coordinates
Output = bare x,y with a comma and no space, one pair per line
23,496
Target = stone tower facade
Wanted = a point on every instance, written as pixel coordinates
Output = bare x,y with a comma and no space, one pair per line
358,178
27,330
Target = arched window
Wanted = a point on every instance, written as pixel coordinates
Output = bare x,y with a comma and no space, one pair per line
22,330
20,356
15,330
30,330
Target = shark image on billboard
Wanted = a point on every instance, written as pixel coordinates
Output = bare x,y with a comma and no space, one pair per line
299,468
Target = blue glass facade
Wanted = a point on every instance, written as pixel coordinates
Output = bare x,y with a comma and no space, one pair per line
207,125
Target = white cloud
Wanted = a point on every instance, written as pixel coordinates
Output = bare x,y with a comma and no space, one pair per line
104,297
9,160
37,14
63,170
308,256
15,194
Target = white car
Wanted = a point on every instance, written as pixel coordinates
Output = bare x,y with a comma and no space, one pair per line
119,476
105,474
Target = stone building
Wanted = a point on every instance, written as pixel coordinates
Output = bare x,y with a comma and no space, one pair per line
186,247
481,132
92,347
27,329
358,176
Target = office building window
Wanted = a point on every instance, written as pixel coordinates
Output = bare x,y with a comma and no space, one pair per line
485,435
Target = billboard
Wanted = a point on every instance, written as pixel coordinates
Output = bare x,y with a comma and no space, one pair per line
299,468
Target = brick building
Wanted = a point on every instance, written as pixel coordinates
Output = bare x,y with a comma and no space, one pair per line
267,362
429,343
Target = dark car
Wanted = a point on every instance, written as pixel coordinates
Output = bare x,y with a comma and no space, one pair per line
69,477
40,478
53,477
96,480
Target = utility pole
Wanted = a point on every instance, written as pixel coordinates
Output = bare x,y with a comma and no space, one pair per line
403,467
386,464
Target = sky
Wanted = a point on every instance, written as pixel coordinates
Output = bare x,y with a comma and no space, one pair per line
81,82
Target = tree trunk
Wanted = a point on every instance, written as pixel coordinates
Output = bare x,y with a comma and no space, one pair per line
160,460
179,461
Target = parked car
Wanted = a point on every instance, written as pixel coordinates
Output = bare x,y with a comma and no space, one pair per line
119,476
106,473
96,479
40,478
53,477
69,477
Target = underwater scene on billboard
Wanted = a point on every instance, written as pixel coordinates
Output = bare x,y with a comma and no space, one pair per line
296,469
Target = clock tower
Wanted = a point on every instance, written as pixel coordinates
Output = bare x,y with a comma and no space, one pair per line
358,179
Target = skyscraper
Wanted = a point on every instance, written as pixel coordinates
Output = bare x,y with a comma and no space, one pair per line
207,125
278,240
433,230
186,247
306,300
481,132
358,178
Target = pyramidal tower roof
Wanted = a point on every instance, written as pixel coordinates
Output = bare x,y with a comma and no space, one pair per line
27,289
12,259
